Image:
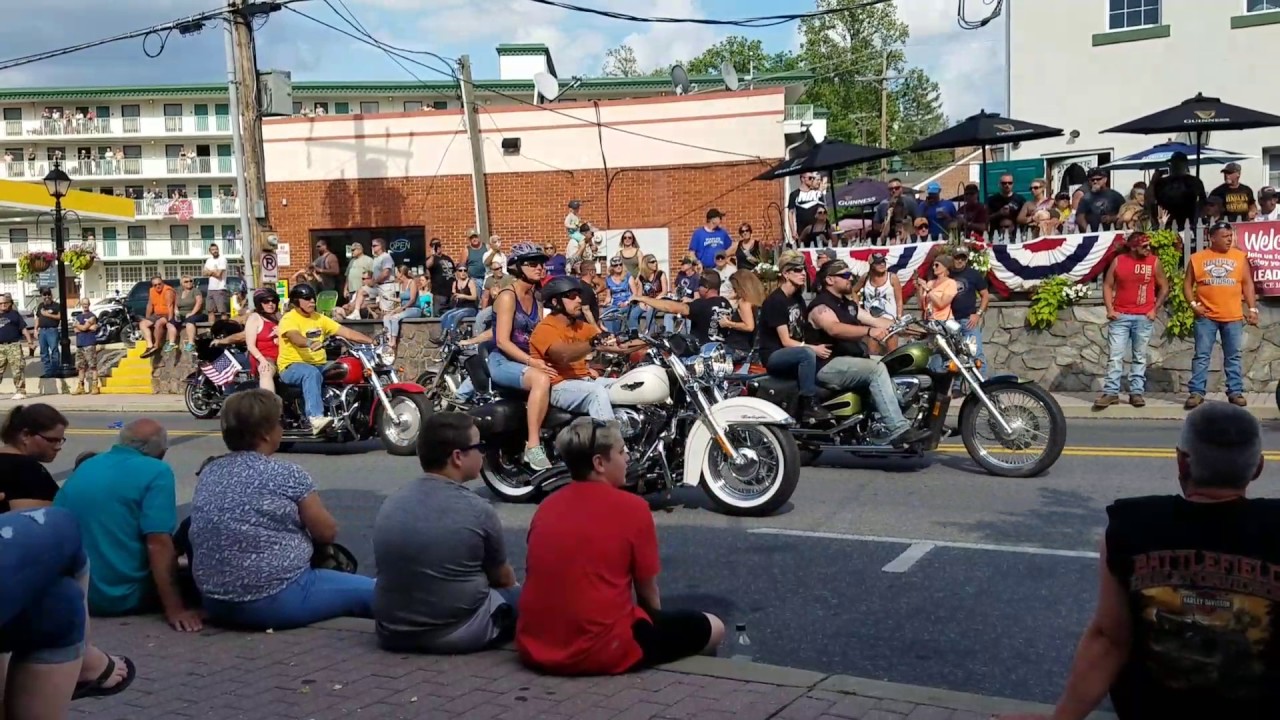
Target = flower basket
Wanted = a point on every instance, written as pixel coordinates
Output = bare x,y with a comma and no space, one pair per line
79,257
34,263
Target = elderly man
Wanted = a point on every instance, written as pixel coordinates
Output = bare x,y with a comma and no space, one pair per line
1185,616
125,501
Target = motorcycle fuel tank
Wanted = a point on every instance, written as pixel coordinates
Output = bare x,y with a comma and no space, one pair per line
645,385
909,358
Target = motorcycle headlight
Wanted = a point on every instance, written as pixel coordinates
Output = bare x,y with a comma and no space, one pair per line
384,354
952,326
716,360
971,344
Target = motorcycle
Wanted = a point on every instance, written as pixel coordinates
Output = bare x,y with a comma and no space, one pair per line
115,324
1001,418
361,393
679,430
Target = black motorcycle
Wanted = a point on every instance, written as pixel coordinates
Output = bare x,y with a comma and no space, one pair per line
115,324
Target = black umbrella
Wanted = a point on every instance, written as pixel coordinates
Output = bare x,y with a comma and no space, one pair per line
827,157
861,192
1198,115
984,130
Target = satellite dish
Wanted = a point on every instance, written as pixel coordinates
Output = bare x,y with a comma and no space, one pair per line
729,75
680,79
547,85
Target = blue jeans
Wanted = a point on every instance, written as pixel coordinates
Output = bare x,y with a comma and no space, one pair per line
1232,334
800,362
612,318
50,356
977,334
505,372
308,378
316,596
42,601
451,319
854,373
584,396
640,318
673,323
392,322
1128,337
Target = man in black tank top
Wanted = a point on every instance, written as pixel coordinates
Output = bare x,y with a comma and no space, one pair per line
838,322
1188,616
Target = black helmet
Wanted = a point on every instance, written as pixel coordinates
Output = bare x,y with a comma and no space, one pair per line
525,252
558,286
301,291
264,295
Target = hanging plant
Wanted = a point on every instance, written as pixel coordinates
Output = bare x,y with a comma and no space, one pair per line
34,263
80,257
767,272
1051,297
1167,245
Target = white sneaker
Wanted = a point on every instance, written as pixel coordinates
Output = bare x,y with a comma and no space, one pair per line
19,396
318,424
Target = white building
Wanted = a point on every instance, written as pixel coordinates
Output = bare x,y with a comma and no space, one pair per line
1087,65
158,143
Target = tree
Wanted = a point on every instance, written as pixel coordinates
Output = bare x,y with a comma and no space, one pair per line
620,62
747,55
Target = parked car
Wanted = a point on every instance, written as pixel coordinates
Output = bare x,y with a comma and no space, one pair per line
136,300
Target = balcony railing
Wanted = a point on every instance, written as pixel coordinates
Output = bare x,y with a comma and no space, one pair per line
152,248
798,113
106,127
197,207
122,167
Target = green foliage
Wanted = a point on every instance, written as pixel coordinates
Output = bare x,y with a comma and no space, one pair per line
620,62
34,263
1050,298
747,55
1167,246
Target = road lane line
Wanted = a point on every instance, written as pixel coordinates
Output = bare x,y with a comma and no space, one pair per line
1019,549
909,557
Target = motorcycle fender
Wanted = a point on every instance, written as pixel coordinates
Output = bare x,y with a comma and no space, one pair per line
194,378
400,388
739,410
994,379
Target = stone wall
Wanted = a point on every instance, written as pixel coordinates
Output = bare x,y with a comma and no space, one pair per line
1072,355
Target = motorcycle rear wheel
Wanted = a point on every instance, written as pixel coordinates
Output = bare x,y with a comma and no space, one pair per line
507,482
774,447
200,402
1056,432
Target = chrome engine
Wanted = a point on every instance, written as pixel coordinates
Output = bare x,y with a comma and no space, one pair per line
910,387
342,405
631,421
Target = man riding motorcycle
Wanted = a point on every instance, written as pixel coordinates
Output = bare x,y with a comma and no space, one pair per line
838,322
302,334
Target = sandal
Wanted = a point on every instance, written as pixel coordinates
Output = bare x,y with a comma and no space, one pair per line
94,688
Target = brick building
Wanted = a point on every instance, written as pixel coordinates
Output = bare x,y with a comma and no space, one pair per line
407,175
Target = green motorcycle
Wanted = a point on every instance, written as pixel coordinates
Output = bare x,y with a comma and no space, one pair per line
1010,427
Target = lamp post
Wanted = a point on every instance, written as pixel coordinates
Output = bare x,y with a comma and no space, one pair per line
58,183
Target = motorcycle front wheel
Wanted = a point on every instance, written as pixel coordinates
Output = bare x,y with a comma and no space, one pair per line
202,400
1038,424
401,438
763,482
442,398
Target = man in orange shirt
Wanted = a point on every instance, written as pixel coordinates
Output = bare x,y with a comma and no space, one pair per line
564,340
158,321
1219,286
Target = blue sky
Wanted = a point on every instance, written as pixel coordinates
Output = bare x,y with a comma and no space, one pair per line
967,64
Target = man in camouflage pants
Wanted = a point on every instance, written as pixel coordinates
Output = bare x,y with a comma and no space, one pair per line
11,326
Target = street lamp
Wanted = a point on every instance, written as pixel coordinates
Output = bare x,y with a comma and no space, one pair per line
58,183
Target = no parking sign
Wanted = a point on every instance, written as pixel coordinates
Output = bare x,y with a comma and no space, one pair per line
270,271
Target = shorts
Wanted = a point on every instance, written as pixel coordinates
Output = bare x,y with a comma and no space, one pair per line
87,358
389,299
671,635
218,302
153,319
505,372
491,625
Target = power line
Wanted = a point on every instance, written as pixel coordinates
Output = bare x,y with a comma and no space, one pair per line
966,24
355,23
752,22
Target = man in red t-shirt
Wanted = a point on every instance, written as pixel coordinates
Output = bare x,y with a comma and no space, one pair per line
1134,288
590,545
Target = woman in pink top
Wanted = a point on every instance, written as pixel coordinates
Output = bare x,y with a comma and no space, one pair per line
936,295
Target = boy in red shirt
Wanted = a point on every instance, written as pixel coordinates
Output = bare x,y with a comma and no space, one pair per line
590,546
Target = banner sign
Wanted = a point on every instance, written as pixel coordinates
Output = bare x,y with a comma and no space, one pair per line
1261,242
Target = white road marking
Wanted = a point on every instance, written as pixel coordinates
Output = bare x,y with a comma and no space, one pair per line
915,542
909,557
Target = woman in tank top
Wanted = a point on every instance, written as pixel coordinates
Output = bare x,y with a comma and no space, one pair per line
630,253
621,285
740,328
466,301
188,308
260,336
408,308
652,283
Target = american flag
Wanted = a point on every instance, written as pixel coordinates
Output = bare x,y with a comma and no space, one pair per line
221,371
182,208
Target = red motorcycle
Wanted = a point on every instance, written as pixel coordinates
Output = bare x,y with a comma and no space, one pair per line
361,393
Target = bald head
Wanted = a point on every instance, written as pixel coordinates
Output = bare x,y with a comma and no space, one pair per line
146,436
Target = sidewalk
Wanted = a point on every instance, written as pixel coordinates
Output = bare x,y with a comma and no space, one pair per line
1076,406
334,670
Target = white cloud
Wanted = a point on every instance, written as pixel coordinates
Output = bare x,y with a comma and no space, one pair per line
968,65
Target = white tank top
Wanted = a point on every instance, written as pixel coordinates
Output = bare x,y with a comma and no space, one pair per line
881,297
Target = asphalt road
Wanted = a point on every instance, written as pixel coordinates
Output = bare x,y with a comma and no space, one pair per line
929,573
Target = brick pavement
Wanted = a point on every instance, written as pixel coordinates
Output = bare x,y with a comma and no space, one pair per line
335,671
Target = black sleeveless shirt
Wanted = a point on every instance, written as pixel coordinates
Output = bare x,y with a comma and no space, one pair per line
1203,581
847,313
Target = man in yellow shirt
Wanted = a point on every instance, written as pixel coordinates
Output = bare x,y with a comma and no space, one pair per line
303,333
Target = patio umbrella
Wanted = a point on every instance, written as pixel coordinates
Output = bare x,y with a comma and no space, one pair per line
1199,114
827,157
861,192
1158,156
984,130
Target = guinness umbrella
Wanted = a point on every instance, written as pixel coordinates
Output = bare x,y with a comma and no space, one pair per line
1158,156
984,130
825,157
861,192
1199,115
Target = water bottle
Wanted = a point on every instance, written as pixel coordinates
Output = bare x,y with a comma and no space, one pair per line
741,643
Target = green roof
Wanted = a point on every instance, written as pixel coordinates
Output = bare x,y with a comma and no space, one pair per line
370,88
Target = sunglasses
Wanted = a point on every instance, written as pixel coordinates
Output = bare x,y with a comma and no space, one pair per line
614,265
799,270
1003,182
845,275
481,446
1037,187
894,188
628,237
744,231
572,295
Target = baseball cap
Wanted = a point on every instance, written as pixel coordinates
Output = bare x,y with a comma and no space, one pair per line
686,261
961,251
615,260
920,222
877,258
933,188
1062,196
1268,192
472,233
575,204
1230,168
827,253
714,213
1220,225
1097,173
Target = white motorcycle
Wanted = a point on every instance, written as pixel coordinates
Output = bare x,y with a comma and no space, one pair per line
679,429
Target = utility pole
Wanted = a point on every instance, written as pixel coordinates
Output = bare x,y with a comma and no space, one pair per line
478,191
246,132
884,115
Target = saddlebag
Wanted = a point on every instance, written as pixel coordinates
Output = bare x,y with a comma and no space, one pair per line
500,419
783,392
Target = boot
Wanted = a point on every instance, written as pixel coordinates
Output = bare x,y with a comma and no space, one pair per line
811,412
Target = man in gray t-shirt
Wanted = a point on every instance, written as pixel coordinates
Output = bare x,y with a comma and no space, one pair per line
444,583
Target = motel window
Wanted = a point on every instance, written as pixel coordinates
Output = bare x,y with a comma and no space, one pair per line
412,105
297,108
440,105
1254,6
341,108
1129,14
13,113
1273,167
17,235
322,107
368,108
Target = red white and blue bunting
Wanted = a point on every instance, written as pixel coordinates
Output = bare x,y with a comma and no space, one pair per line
1016,267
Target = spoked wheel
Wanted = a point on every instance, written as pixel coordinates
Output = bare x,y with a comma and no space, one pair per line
401,421
761,480
506,477
444,397
202,400
1039,430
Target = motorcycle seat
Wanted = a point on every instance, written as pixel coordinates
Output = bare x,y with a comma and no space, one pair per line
287,391
558,418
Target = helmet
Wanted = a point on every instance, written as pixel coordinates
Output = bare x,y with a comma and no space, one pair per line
264,295
525,252
556,288
301,291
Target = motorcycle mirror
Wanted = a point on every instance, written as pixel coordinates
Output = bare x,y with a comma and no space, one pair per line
876,311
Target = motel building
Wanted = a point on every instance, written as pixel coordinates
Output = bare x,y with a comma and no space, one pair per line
362,159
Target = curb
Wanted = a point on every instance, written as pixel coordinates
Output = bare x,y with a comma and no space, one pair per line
752,672
130,404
